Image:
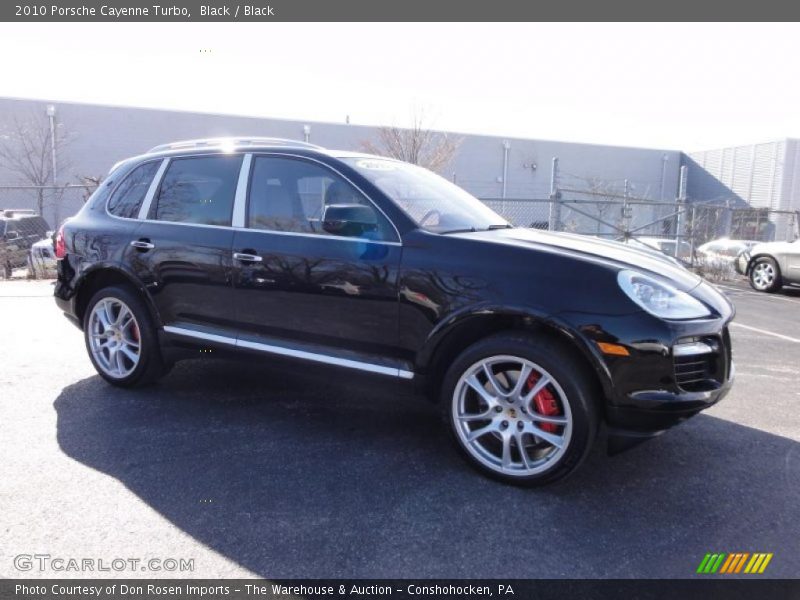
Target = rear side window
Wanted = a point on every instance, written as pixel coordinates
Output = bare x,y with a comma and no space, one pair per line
127,198
198,190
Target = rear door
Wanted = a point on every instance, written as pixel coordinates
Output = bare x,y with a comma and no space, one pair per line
297,283
181,250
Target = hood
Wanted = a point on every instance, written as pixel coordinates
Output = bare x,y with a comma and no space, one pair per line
614,254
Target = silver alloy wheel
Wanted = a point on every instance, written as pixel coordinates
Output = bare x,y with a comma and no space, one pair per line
763,275
114,337
496,418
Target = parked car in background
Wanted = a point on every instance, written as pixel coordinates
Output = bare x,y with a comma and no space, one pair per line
725,250
281,250
20,229
668,246
771,265
42,259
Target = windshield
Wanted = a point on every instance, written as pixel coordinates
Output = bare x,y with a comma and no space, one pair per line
431,201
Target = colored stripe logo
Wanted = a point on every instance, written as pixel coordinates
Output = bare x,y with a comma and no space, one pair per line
736,562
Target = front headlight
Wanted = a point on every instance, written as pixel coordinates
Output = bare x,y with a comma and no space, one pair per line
660,299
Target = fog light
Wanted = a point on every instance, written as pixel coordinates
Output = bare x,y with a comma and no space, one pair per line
691,349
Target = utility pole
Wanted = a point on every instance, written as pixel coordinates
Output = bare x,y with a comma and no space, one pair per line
555,197
506,148
664,159
51,114
680,210
626,211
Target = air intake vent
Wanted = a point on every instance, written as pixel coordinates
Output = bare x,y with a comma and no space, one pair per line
692,373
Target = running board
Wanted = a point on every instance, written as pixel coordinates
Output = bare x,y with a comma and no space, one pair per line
291,352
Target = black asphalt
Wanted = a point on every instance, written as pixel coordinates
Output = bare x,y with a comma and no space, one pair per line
258,471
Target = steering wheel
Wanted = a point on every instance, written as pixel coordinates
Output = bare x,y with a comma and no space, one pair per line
428,215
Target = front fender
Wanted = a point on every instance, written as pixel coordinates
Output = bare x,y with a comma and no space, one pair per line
486,318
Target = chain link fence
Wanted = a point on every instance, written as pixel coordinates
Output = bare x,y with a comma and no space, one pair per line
677,228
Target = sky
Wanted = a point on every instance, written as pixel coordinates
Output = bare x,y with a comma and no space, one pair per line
672,86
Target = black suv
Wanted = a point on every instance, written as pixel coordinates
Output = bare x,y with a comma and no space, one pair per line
19,230
527,339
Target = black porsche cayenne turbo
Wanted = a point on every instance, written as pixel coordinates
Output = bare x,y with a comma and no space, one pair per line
528,340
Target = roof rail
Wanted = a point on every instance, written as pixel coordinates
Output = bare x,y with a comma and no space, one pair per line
230,141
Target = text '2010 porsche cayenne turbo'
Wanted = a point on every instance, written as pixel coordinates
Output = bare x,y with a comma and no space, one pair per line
528,340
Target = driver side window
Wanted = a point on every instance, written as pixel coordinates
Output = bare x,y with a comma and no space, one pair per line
291,195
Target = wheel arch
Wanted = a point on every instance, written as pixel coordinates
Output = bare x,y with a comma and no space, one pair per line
105,275
448,340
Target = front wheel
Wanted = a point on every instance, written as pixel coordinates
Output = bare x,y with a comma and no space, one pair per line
765,276
521,408
121,338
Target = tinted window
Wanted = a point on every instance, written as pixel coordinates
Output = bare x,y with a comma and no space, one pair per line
127,198
198,190
291,195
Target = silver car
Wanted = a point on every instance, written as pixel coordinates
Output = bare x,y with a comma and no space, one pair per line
771,265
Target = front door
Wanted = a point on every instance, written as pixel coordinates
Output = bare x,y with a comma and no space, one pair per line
297,283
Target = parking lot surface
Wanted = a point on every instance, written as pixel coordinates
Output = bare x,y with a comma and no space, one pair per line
258,472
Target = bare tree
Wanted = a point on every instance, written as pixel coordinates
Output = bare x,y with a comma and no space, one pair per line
607,202
90,183
27,148
417,144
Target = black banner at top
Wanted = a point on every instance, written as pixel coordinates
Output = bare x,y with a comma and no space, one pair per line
394,10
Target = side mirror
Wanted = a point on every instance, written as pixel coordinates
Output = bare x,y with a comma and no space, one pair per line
350,220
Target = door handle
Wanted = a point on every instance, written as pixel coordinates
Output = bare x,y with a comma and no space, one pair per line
248,258
142,245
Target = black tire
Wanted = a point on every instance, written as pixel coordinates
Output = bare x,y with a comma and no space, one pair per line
572,376
761,266
151,366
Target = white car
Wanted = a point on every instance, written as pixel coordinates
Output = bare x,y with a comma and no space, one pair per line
42,259
772,265
725,250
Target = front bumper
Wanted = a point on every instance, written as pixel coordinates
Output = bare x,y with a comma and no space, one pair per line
651,413
663,384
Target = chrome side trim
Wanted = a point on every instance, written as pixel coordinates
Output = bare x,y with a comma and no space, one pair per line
317,236
301,354
200,335
240,199
151,191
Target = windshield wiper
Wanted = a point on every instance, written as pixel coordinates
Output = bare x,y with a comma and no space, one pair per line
474,229
464,230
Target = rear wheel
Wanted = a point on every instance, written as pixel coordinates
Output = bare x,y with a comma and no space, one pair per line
520,408
765,275
121,338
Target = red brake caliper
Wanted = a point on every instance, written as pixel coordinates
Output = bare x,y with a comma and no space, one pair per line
545,403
